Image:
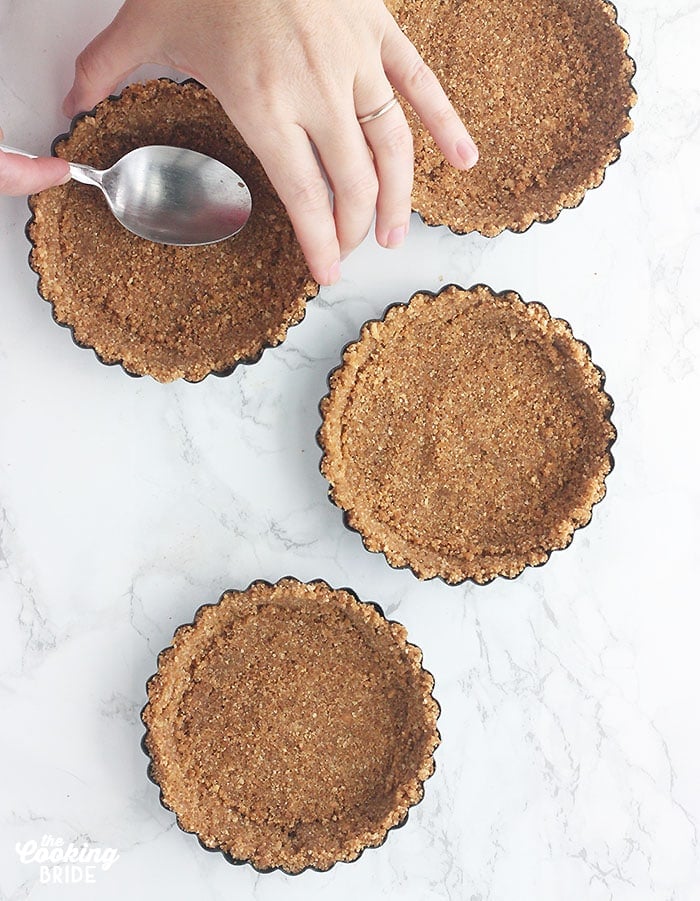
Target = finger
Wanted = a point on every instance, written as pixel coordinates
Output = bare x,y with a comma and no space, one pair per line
107,60
391,142
288,159
20,175
414,79
348,164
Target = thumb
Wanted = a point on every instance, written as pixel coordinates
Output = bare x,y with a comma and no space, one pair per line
108,59
19,175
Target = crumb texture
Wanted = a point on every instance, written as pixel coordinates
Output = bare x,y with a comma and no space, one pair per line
544,86
291,725
164,311
467,434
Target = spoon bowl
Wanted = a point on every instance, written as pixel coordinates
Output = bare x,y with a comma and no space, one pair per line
170,195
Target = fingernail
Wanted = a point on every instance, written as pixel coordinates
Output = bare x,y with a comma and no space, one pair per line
468,151
333,273
396,237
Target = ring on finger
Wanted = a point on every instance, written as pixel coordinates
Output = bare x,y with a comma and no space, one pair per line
370,117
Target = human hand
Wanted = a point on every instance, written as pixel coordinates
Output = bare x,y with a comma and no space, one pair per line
294,75
21,175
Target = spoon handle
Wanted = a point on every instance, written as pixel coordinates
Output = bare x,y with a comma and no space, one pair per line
86,174
8,149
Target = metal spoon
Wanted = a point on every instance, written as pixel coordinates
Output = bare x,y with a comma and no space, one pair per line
169,195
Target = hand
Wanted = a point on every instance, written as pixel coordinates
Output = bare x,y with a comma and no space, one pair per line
294,75
20,175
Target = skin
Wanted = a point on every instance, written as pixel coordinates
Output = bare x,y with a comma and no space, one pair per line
19,175
293,77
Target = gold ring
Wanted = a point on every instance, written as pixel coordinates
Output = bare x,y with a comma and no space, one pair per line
378,112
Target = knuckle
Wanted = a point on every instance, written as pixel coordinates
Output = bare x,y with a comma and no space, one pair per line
88,66
309,194
444,116
397,141
361,188
83,66
420,76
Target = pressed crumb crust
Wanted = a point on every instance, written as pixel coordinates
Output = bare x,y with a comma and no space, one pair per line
164,311
466,435
544,88
291,726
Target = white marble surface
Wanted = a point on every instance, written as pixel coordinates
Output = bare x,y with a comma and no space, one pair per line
569,767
